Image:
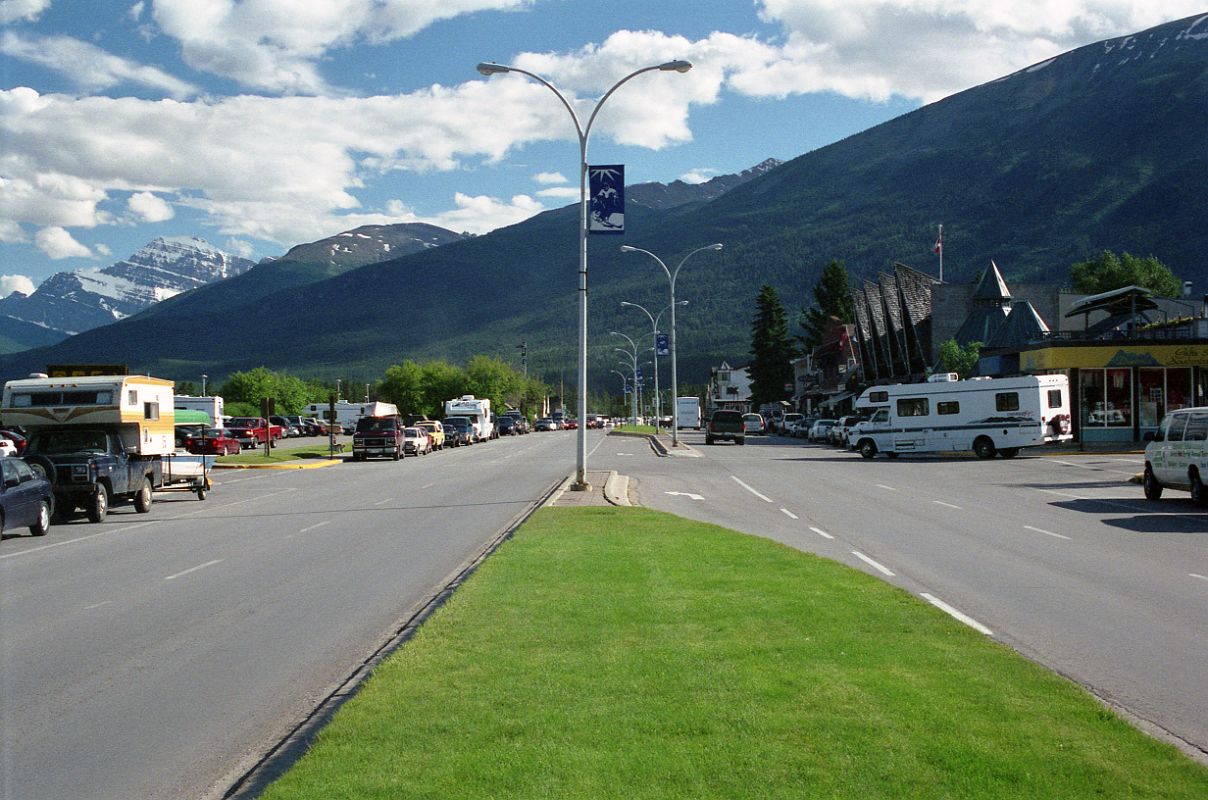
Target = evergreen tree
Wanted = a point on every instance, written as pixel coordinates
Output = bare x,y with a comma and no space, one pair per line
1108,271
832,298
771,367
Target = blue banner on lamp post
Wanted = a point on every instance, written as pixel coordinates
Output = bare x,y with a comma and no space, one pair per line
662,344
606,196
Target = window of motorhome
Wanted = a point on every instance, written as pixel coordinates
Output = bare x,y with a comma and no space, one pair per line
1006,401
1054,398
948,407
132,397
151,411
878,397
61,398
913,407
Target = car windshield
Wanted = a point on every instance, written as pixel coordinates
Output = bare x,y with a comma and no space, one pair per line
413,433
51,442
374,424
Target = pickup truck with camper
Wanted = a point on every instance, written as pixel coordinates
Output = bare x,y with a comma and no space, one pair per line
379,436
97,439
477,411
990,416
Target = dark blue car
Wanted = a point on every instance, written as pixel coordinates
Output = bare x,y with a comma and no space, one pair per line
26,498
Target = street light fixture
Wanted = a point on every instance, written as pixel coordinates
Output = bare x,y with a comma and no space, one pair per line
203,384
654,323
489,69
671,276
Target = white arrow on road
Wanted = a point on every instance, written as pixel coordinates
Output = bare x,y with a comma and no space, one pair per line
689,495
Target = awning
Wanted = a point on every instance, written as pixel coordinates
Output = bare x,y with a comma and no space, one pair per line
836,399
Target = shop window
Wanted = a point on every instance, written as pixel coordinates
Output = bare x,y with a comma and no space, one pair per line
1106,398
1151,401
1006,401
913,407
948,407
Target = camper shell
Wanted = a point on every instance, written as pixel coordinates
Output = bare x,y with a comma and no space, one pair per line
478,411
990,416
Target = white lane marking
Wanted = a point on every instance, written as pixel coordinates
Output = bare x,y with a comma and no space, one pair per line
316,525
946,505
383,502
1116,503
97,605
235,503
1047,533
114,529
689,495
1197,575
427,486
821,533
886,488
789,514
878,567
761,496
1072,464
194,569
959,615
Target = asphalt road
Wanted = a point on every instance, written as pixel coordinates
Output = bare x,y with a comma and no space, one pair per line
1058,556
150,655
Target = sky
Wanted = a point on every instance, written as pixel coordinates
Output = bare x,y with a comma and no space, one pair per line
260,124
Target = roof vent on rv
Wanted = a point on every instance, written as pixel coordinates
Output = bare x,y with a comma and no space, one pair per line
38,375
943,377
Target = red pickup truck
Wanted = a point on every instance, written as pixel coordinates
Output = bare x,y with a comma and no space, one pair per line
252,431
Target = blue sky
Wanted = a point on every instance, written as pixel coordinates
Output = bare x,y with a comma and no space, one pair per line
260,124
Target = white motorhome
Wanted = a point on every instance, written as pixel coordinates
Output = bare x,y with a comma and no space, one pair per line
687,412
477,410
212,406
347,413
986,415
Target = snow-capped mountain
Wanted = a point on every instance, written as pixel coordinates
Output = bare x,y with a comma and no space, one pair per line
71,302
370,244
679,193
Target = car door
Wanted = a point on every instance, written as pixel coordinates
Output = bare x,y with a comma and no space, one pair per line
1171,467
16,503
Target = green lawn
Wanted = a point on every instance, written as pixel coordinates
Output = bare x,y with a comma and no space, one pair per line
635,429
625,653
283,453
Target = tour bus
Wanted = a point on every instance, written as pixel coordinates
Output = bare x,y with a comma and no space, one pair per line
986,415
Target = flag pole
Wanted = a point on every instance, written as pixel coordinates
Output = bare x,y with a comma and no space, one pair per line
939,248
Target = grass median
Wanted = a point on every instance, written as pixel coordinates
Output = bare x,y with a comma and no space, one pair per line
282,454
625,653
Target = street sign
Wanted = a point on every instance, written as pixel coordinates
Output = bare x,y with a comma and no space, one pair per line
662,345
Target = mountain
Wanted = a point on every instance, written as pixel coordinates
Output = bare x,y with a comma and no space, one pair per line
678,193
69,302
369,244
1102,147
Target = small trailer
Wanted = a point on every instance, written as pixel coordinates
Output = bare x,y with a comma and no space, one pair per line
186,472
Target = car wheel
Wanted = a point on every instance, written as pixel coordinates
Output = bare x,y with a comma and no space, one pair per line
984,448
1153,489
98,505
40,527
397,454
741,440
42,466
1198,495
142,500
1009,452
868,448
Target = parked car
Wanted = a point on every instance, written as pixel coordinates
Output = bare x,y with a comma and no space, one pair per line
212,441
725,424
19,440
788,422
508,426
572,424
288,429
839,433
820,430
753,424
1176,455
458,431
7,448
545,424
26,498
436,432
416,441
801,428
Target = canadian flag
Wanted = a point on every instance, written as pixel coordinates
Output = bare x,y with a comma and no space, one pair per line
939,242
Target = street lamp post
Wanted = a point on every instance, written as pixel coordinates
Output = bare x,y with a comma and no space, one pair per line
583,132
633,357
654,323
203,384
671,276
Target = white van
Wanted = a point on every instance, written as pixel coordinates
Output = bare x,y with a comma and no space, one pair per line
1177,455
986,415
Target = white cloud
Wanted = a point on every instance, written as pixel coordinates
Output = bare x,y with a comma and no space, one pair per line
89,66
239,248
699,175
18,10
549,177
482,214
136,11
560,192
58,244
15,283
927,49
102,249
149,207
277,44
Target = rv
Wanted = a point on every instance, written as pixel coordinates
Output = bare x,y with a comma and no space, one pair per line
347,413
986,415
96,438
211,406
687,412
477,410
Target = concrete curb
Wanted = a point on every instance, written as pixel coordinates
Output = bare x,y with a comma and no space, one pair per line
616,489
317,464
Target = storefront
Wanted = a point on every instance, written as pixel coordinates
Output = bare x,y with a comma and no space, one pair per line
1123,390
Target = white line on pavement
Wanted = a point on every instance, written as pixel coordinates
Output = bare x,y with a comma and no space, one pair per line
427,486
1064,494
114,529
1046,533
878,567
316,525
946,505
762,497
821,533
383,502
789,514
952,612
1197,575
886,488
194,569
97,605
